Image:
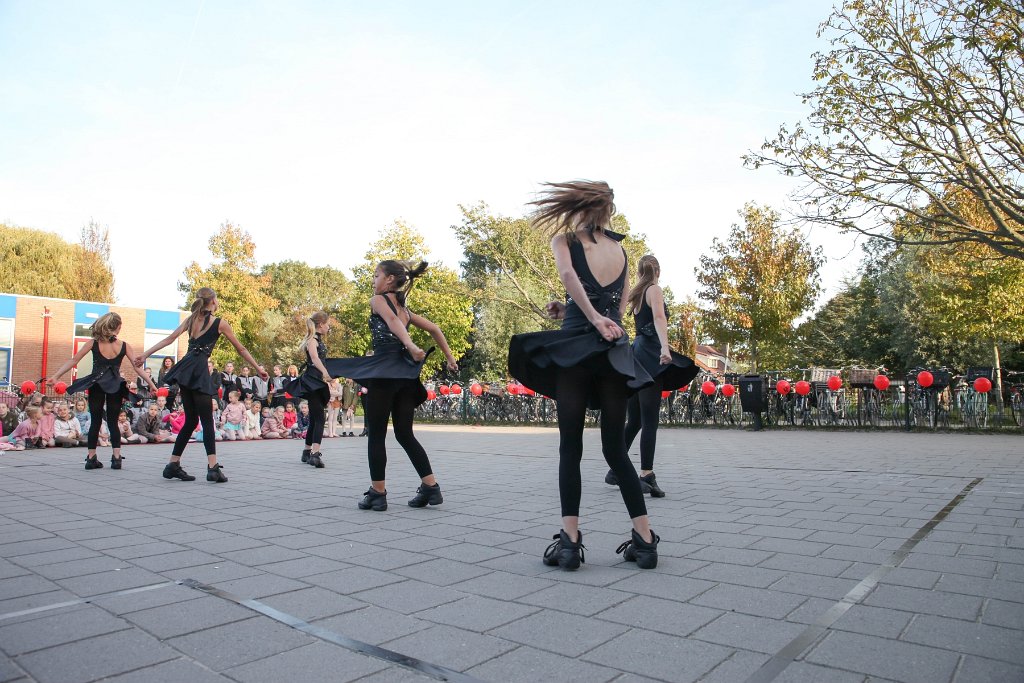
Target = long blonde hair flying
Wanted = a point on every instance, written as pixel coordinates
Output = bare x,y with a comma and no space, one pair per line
567,207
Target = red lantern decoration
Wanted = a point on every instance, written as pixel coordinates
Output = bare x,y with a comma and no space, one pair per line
803,388
684,388
708,388
728,390
881,382
925,379
783,387
61,388
163,391
528,391
476,389
431,395
666,394
220,393
287,395
444,390
456,389
28,387
835,383
983,385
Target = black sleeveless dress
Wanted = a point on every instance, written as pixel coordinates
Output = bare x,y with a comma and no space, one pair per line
647,349
106,374
534,358
311,381
390,360
193,372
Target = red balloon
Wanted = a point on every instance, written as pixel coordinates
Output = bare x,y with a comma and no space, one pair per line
163,391
835,383
783,387
220,393
925,379
685,387
476,389
881,382
28,387
431,395
456,389
983,385
666,394
803,388
708,388
528,391
728,390
60,388
444,389
287,395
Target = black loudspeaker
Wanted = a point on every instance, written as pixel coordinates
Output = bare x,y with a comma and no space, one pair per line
752,393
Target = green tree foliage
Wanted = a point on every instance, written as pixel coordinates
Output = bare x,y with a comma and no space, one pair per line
39,263
95,280
439,295
758,281
915,97
301,290
511,273
242,292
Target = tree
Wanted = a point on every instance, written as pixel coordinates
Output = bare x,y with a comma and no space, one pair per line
242,293
509,267
95,279
758,282
686,325
438,295
39,263
914,98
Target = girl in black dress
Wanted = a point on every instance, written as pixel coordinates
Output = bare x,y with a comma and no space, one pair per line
588,362
670,370
392,379
313,385
195,384
106,388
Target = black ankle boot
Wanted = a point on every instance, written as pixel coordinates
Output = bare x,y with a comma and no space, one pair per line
374,500
315,461
215,474
649,484
426,494
93,463
115,463
640,551
305,455
611,479
565,553
173,471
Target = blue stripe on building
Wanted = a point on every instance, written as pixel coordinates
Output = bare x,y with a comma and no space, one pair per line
8,305
87,314
162,320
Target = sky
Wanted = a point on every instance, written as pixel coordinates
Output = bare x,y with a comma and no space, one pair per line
315,125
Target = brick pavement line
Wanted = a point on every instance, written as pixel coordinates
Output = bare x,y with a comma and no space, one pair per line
435,671
788,654
83,601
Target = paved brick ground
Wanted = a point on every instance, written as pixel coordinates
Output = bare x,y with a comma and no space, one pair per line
761,535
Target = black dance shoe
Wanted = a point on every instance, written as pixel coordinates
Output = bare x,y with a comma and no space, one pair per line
93,463
611,479
640,551
305,455
173,471
315,461
115,463
215,474
649,484
426,494
374,500
565,553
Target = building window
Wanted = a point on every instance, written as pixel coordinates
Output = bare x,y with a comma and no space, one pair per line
6,347
156,360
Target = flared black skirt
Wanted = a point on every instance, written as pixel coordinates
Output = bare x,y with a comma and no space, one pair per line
308,384
673,375
385,364
192,372
107,380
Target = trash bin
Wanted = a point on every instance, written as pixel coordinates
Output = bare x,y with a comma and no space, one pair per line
753,397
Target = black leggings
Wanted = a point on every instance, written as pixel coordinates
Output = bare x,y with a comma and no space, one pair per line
198,411
397,399
642,416
575,386
97,399
317,403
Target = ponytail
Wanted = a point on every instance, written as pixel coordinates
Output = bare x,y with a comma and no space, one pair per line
405,274
647,270
204,297
311,323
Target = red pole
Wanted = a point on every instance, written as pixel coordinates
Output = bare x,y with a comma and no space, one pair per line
46,338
